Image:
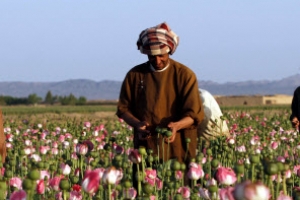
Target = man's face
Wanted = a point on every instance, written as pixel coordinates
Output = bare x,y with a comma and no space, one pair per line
159,61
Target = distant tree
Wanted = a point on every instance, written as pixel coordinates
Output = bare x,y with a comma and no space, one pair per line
33,99
55,99
81,101
49,98
2,100
68,100
72,99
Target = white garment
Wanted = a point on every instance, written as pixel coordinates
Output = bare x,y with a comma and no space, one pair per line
212,125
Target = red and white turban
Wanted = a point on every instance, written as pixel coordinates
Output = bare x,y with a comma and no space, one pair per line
158,40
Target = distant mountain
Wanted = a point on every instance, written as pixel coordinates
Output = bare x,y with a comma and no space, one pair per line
109,90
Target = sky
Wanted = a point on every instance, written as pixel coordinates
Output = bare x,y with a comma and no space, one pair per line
220,40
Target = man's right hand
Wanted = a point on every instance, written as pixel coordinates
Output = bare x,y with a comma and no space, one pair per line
141,128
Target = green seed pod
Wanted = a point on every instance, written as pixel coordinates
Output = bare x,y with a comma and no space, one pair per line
34,175
175,165
254,159
3,186
139,176
8,174
215,163
280,166
187,140
142,150
271,168
178,197
239,168
119,188
74,179
158,129
182,167
40,165
169,173
168,133
127,184
64,184
150,151
147,188
209,152
212,188
150,159
27,184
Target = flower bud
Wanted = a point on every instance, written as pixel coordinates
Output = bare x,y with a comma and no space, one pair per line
64,184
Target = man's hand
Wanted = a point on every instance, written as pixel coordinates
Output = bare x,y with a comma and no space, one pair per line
295,122
173,126
141,128
176,126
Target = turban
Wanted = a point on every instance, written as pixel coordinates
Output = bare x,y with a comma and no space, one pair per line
158,40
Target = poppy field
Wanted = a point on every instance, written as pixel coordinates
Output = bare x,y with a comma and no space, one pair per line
68,159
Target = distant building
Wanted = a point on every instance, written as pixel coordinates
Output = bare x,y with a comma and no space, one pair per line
254,100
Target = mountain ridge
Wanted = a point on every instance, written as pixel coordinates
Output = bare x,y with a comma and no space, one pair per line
109,90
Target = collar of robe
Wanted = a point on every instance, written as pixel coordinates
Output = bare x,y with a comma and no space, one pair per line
159,70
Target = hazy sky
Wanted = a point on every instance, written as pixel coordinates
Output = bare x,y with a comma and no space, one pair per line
221,41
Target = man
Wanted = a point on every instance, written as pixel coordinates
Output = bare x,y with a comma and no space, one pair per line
161,93
295,107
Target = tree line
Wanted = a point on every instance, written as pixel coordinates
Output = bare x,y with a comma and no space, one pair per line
49,99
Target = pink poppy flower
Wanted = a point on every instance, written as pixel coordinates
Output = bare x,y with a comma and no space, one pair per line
40,187
134,156
203,193
68,136
282,196
44,149
274,145
54,182
43,135
75,195
87,124
44,173
111,175
249,190
66,169
150,176
241,148
119,149
90,182
54,151
185,192
100,171
81,149
159,184
225,176
130,193
16,182
230,140
61,138
9,145
178,175
226,193
195,171
18,195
